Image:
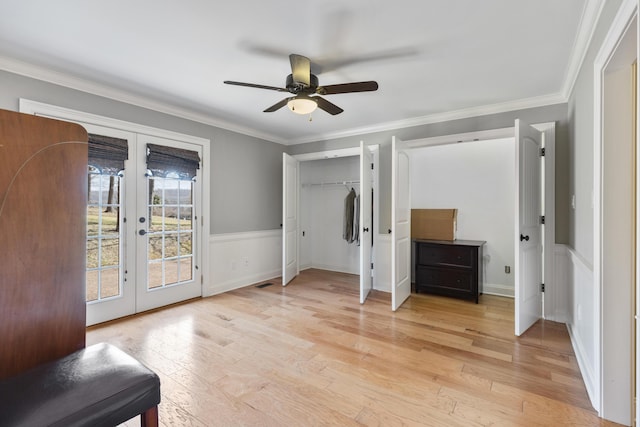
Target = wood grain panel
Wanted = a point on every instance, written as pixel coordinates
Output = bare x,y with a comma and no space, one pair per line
43,190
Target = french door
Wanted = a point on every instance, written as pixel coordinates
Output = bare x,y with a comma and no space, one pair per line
167,218
143,228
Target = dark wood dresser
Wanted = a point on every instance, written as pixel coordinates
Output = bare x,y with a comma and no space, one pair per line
450,268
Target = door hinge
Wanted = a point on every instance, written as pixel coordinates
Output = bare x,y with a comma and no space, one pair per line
543,152
372,266
371,166
201,280
542,219
542,287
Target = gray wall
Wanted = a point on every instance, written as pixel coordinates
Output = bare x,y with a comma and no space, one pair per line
557,113
581,142
246,172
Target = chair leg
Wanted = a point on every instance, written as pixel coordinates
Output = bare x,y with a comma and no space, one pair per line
149,418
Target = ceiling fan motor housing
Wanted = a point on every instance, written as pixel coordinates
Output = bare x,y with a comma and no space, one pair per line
300,87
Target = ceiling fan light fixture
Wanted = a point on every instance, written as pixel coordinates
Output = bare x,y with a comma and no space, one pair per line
302,105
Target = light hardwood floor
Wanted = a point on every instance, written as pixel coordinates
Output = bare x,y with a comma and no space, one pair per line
310,354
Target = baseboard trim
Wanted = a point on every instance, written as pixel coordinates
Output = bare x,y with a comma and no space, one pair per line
243,282
498,290
585,368
335,268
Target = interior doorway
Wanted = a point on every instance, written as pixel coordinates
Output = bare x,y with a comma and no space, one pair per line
318,232
615,220
552,297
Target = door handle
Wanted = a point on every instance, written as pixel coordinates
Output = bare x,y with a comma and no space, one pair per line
365,229
142,232
524,238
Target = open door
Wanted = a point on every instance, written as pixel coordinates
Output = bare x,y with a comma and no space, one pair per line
366,229
290,175
528,233
401,223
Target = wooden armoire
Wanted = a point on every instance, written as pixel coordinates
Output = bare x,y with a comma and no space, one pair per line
43,199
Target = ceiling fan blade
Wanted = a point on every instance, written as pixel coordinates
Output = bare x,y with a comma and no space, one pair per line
327,106
347,88
279,89
301,69
277,106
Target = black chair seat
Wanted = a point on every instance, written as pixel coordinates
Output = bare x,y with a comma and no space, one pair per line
97,386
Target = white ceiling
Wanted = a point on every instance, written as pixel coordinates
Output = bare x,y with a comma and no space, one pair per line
431,58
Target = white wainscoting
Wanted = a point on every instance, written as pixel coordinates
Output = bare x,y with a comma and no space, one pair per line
241,259
557,304
575,303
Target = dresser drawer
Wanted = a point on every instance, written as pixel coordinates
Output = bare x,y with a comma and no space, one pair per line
448,255
428,278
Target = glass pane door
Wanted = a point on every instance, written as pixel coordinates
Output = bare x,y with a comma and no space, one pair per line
104,250
167,235
110,293
170,249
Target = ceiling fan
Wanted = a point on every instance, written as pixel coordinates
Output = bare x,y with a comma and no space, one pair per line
303,85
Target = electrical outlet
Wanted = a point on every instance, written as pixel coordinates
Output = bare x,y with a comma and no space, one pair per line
507,269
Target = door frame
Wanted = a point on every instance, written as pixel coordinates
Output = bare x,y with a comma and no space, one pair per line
290,224
352,152
54,111
555,296
366,221
622,22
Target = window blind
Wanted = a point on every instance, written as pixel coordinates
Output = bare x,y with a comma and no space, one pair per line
163,160
107,153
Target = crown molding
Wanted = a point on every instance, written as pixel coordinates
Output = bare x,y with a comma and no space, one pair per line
522,104
588,23
72,82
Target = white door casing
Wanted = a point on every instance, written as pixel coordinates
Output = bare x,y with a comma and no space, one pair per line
401,223
366,226
121,306
290,191
528,243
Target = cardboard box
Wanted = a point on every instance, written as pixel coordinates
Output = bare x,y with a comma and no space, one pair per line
434,224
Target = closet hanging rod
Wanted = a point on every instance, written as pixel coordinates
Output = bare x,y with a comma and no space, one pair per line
333,183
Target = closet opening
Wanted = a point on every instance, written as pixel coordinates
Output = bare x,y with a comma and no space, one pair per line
534,203
476,179
336,204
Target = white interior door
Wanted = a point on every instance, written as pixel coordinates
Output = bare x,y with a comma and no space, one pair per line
401,223
366,229
528,242
290,178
